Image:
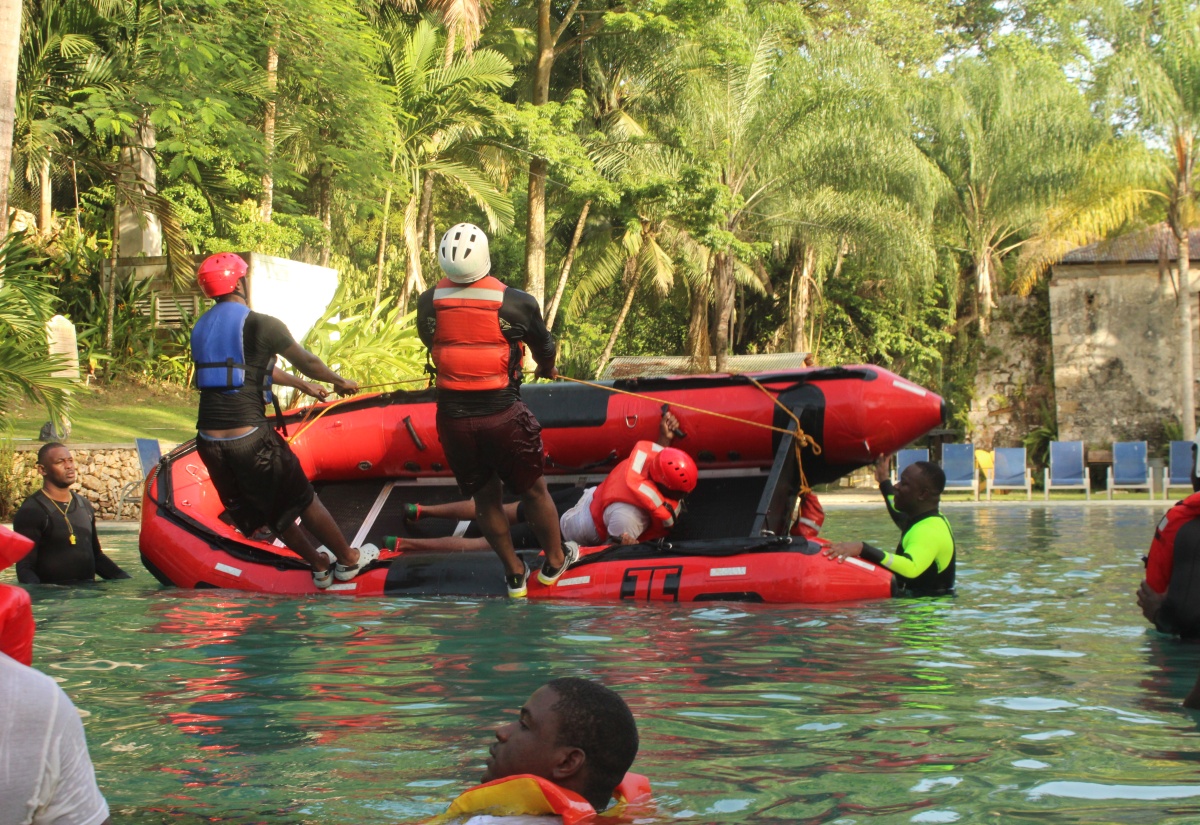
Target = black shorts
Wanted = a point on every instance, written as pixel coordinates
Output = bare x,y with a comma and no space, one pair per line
507,444
523,537
259,479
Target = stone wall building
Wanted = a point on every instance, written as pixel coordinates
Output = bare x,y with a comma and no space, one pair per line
1014,389
1114,321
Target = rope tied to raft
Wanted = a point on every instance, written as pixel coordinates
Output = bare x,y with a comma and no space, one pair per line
800,439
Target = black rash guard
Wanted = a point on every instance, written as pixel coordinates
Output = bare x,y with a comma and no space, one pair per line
54,559
520,321
263,337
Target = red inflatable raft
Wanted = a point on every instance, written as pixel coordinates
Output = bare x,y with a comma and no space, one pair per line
369,456
16,611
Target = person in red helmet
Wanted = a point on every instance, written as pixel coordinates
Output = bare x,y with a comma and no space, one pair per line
639,501
256,474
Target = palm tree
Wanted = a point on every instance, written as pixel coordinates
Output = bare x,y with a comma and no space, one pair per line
1011,140
440,112
10,50
26,303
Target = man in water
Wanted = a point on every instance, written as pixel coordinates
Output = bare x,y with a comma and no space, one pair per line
639,501
256,474
575,740
924,560
62,526
47,775
475,328
1168,596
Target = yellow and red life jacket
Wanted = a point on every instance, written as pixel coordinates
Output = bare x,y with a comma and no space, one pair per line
529,795
630,483
469,350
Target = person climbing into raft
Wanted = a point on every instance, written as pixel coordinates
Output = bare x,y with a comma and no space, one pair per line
475,328
924,559
257,476
639,501
62,526
565,758
1169,595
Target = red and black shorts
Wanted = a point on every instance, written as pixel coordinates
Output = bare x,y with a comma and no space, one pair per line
507,444
259,479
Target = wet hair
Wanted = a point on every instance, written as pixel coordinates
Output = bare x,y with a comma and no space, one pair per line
934,476
597,721
46,448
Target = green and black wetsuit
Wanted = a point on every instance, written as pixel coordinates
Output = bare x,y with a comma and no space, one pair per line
924,559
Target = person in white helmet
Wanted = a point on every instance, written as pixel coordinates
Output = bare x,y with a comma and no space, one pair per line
476,329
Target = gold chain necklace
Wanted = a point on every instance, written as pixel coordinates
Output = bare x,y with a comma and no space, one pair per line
63,512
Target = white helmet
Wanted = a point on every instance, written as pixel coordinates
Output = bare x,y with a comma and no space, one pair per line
463,253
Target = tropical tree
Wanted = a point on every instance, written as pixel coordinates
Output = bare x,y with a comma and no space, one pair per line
10,49
1011,139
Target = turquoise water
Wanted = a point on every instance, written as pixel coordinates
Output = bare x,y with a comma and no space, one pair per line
1038,694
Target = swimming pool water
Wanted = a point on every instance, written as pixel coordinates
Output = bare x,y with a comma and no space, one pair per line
1037,694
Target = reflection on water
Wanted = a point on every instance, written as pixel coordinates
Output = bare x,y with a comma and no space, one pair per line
1036,694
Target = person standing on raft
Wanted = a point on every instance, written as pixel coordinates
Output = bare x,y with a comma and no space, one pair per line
639,501
475,328
256,474
924,560
62,526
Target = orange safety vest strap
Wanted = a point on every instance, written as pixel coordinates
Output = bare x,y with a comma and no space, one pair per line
469,349
630,483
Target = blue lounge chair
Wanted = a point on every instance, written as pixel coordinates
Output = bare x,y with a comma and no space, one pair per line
907,457
1067,470
149,452
1178,472
1009,472
958,462
1130,469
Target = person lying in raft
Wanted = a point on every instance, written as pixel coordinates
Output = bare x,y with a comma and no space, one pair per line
565,758
1169,596
638,501
925,557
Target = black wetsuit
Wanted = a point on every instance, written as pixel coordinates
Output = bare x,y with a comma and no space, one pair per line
54,559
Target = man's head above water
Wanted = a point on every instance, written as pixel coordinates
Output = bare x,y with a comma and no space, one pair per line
578,734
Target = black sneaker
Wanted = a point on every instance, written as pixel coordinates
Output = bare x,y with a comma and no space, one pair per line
548,575
517,584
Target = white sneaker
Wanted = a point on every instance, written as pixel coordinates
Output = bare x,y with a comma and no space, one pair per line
366,554
571,555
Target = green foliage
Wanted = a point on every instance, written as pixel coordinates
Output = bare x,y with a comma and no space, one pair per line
378,347
15,482
26,304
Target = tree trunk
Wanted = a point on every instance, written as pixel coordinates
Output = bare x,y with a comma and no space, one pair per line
552,310
326,208
46,191
984,288
628,278
10,50
111,286
425,216
802,274
535,224
699,345
723,289
266,205
1187,419
381,253
413,282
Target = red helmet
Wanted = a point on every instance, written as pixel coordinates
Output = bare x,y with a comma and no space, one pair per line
675,470
220,273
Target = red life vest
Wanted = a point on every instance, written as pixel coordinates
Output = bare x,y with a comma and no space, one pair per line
529,795
630,483
469,350
1161,559
811,517
16,624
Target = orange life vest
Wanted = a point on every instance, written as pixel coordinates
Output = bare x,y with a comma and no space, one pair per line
529,795
469,350
810,518
630,483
